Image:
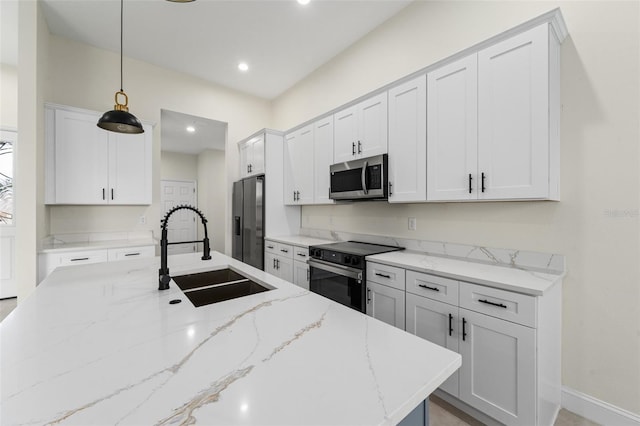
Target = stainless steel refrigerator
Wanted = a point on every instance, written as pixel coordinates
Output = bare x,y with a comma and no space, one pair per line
248,221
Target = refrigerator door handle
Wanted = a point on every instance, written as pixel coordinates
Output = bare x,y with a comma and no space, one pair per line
237,225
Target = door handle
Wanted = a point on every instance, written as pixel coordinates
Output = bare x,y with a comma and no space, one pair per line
368,295
499,305
450,324
428,288
359,148
464,329
103,194
278,264
274,263
353,148
111,193
390,188
383,275
483,187
363,177
237,226
470,178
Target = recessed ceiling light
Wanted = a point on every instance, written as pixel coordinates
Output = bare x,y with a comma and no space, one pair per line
191,129
303,2
243,66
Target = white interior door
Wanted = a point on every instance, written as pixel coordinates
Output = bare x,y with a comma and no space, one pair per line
8,288
182,224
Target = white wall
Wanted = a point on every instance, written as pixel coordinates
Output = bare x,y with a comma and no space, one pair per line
9,97
595,224
87,77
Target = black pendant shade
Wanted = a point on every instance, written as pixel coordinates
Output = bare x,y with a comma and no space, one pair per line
119,119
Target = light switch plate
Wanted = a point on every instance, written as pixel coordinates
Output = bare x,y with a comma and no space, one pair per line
412,224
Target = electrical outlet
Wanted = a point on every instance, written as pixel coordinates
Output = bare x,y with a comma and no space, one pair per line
142,220
412,224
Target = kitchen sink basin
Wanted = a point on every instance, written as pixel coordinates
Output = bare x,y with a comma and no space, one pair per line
205,288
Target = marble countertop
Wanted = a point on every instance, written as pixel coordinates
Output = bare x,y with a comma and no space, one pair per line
99,344
62,243
299,240
507,278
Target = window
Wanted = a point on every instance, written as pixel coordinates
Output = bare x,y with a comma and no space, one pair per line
7,140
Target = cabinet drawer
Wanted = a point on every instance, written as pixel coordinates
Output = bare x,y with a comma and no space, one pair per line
271,247
285,250
515,307
300,254
131,253
81,258
433,287
387,275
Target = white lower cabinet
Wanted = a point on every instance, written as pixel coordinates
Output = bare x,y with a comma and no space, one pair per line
280,266
498,369
47,262
301,274
386,304
509,342
385,294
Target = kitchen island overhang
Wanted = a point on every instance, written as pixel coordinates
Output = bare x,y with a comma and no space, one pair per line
100,344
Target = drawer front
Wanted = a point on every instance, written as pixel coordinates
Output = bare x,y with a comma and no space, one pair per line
433,287
285,250
83,257
271,247
387,275
300,254
131,253
515,307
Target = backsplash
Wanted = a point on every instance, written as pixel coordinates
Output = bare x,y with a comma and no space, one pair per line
526,260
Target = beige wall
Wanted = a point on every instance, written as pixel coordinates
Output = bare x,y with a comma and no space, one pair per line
596,223
212,195
31,219
86,77
178,166
9,97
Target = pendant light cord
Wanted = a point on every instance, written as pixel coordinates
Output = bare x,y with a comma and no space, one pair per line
121,31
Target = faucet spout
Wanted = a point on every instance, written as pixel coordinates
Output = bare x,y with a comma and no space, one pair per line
163,273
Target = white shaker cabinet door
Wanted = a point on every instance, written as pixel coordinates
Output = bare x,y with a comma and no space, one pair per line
436,322
408,141
372,126
498,373
452,127
301,274
513,120
323,158
386,304
81,159
345,135
130,168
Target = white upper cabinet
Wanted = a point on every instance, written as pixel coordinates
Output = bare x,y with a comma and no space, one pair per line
323,158
298,166
361,130
492,122
89,165
408,141
513,119
452,135
252,157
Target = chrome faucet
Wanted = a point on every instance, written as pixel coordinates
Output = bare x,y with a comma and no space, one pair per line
164,277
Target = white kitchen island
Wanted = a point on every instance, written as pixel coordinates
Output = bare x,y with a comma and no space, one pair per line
99,344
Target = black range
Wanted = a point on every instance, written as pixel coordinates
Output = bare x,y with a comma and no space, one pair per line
338,271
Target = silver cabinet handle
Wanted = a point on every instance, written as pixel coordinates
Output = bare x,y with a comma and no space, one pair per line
359,148
368,295
284,250
77,259
353,148
390,188
132,254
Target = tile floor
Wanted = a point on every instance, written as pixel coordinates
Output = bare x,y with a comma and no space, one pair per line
440,412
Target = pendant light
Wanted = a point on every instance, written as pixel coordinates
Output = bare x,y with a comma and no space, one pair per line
120,120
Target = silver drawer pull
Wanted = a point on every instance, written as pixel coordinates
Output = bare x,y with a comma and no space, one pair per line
499,305
270,247
284,251
383,275
302,254
428,288
133,254
77,259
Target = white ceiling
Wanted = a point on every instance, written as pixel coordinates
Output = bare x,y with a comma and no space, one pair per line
209,134
281,40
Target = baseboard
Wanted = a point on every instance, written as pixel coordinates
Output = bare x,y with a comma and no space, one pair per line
596,410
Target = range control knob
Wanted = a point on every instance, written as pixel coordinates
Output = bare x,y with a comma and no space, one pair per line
355,261
347,260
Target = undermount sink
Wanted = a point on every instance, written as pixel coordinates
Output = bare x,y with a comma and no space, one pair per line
205,288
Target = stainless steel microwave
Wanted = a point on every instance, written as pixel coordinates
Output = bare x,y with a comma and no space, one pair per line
361,179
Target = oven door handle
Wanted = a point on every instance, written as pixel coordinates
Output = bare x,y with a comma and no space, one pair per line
336,269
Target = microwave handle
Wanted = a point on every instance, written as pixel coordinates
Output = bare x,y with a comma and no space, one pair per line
363,178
